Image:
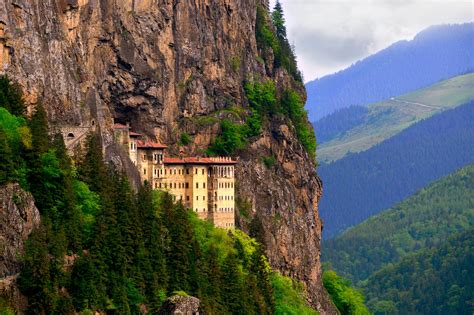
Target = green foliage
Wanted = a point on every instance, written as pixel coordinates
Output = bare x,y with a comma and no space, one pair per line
127,248
347,299
185,139
289,296
235,63
293,106
426,219
269,161
271,35
435,280
232,138
11,97
401,257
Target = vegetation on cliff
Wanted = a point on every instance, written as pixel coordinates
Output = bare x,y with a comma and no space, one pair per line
102,246
347,299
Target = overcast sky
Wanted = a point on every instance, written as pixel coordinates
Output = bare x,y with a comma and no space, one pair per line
330,35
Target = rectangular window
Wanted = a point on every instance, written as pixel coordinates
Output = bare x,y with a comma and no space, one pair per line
187,198
202,171
203,197
197,197
187,171
144,171
197,185
187,185
203,185
196,171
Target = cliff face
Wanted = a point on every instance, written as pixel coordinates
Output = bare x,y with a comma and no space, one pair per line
163,66
18,217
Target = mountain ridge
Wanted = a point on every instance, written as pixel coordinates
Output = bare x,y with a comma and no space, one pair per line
405,65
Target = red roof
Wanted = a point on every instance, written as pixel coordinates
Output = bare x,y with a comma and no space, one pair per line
200,160
150,145
121,126
134,134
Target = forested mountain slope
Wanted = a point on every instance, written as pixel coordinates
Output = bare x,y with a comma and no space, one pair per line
437,53
438,280
358,128
363,184
426,219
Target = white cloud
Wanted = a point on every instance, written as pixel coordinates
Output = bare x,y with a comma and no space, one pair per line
330,35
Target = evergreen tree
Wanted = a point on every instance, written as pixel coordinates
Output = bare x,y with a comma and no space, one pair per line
279,21
11,97
232,284
7,167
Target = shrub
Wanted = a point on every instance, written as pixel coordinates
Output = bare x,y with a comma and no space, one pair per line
231,139
347,299
185,139
269,161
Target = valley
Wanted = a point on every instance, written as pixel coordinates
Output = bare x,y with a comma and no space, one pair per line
386,119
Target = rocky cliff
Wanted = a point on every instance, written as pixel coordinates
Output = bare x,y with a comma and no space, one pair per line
18,217
167,66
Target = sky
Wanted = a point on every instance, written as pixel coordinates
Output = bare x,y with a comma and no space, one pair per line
330,35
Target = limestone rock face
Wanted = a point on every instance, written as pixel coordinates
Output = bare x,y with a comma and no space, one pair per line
167,67
18,217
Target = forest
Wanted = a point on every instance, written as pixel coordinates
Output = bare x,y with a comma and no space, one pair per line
437,53
103,246
363,184
432,281
379,254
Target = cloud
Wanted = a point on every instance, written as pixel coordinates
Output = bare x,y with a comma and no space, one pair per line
330,35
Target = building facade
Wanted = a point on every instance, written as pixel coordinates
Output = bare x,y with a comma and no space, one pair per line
204,184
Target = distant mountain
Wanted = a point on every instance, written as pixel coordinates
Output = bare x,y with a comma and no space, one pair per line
426,219
362,184
416,258
358,128
437,53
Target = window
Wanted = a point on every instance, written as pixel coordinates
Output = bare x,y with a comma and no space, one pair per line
203,209
156,185
197,197
174,171
144,157
187,171
161,171
174,185
196,209
187,198
203,185
160,185
187,185
196,171
203,197
133,146
197,185
166,185
144,171
202,171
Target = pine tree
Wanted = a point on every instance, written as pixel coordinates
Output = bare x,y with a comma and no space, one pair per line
278,20
233,286
11,97
260,268
7,167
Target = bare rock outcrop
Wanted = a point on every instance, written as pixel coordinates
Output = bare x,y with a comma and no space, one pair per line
181,305
18,217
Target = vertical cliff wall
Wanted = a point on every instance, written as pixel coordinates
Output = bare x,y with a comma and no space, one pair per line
166,66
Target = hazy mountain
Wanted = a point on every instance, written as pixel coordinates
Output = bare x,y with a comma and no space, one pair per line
436,53
362,184
358,128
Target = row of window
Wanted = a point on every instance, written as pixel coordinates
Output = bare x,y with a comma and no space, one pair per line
220,210
226,197
226,185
